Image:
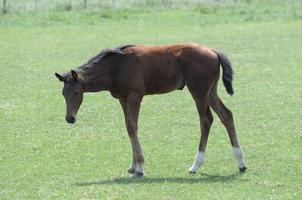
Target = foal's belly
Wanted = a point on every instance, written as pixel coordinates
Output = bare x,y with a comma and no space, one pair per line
163,79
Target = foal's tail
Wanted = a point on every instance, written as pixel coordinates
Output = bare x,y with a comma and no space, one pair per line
227,74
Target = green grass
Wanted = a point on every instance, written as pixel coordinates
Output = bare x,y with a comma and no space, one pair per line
43,157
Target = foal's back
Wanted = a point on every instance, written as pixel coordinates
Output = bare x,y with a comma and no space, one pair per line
161,69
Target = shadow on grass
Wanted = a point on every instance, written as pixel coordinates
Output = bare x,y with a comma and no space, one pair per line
203,178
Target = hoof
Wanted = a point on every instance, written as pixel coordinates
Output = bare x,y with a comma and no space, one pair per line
242,169
131,171
139,174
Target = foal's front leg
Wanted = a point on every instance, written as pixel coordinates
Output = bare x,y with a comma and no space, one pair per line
133,164
131,117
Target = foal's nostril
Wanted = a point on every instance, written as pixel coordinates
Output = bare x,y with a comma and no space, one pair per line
70,119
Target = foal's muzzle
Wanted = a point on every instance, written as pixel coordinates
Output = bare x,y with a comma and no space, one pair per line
70,119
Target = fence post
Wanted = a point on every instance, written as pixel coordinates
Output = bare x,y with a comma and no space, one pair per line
36,5
114,3
85,4
4,7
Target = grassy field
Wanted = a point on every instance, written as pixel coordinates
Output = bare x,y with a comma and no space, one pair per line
43,157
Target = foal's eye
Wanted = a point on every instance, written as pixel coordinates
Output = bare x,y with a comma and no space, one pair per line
76,93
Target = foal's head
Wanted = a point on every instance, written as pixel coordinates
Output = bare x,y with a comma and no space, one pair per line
73,94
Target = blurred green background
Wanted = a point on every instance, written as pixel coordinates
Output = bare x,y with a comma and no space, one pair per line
43,157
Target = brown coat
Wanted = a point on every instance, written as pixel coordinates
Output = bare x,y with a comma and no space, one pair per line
132,71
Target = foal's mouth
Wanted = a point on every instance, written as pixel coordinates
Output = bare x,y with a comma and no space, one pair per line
71,119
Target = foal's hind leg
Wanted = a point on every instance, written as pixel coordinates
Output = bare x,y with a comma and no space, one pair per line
206,120
226,117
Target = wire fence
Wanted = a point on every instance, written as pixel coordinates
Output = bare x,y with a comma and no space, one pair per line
13,6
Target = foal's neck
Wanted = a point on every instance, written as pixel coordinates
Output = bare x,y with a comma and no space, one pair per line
95,80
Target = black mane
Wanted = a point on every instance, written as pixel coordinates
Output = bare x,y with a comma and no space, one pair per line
106,53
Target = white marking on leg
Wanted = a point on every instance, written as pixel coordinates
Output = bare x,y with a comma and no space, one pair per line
198,162
132,167
239,156
140,167
139,170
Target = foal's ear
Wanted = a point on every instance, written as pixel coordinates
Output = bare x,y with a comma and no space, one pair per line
74,75
61,78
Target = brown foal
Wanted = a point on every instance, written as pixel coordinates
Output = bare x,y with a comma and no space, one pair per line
132,71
